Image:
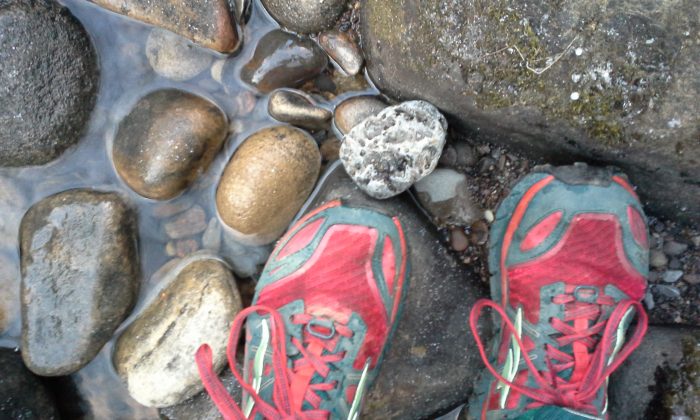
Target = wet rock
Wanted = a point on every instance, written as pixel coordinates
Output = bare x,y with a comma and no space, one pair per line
657,259
387,153
208,23
296,108
445,194
189,223
479,233
12,207
458,239
647,385
9,295
354,110
604,82
283,60
305,16
167,141
266,182
155,354
80,277
669,292
672,276
330,149
427,369
48,81
23,395
201,407
466,156
343,50
174,57
674,249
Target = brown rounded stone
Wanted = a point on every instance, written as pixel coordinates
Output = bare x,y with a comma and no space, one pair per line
167,140
266,182
354,110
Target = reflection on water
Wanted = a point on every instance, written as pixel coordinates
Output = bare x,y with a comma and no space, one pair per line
126,76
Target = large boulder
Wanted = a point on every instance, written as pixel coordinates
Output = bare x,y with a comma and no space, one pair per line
48,81
614,82
79,266
433,357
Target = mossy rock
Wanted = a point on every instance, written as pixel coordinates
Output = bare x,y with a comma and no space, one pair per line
610,82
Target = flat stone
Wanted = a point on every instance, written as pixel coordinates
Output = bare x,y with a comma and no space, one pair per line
48,81
23,395
266,182
305,16
189,223
208,23
645,386
657,258
672,276
343,49
508,72
174,57
674,249
445,194
669,292
389,152
281,60
296,108
167,141
155,354
354,110
433,359
80,277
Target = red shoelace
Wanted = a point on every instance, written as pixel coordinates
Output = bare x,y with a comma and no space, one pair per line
579,392
291,385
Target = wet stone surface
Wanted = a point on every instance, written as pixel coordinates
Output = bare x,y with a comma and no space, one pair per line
80,277
167,141
305,16
354,110
174,57
266,182
343,49
282,59
48,81
296,108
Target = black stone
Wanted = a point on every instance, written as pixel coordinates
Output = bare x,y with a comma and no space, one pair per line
48,81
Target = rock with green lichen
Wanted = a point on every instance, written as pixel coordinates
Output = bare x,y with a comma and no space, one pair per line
609,82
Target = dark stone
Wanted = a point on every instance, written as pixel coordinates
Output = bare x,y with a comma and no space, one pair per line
648,384
167,141
305,16
48,81
283,60
613,82
22,395
433,358
80,277
209,23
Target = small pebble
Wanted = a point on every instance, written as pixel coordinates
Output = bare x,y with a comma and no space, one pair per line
466,155
667,291
189,223
657,259
675,264
330,149
458,239
672,276
354,110
489,216
692,278
674,249
175,57
696,241
296,108
479,233
448,157
343,49
649,300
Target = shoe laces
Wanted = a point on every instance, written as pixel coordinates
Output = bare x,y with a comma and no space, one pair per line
596,350
291,380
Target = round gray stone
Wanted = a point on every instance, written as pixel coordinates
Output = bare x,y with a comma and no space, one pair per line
305,16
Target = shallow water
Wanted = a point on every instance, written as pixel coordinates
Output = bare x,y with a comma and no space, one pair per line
126,76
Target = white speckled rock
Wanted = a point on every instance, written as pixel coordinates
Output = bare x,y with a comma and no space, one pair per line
155,354
389,152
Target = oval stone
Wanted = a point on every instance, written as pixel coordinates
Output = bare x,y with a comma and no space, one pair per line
80,272
155,354
167,141
354,110
305,16
266,182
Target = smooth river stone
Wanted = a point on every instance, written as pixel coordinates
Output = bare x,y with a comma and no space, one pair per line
296,108
155,354
208,23
48,81
80,277
174,57
282,59
354,110
343,49
266,182
167,141
305,16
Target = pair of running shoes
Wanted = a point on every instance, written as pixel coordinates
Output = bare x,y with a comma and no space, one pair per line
569,263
